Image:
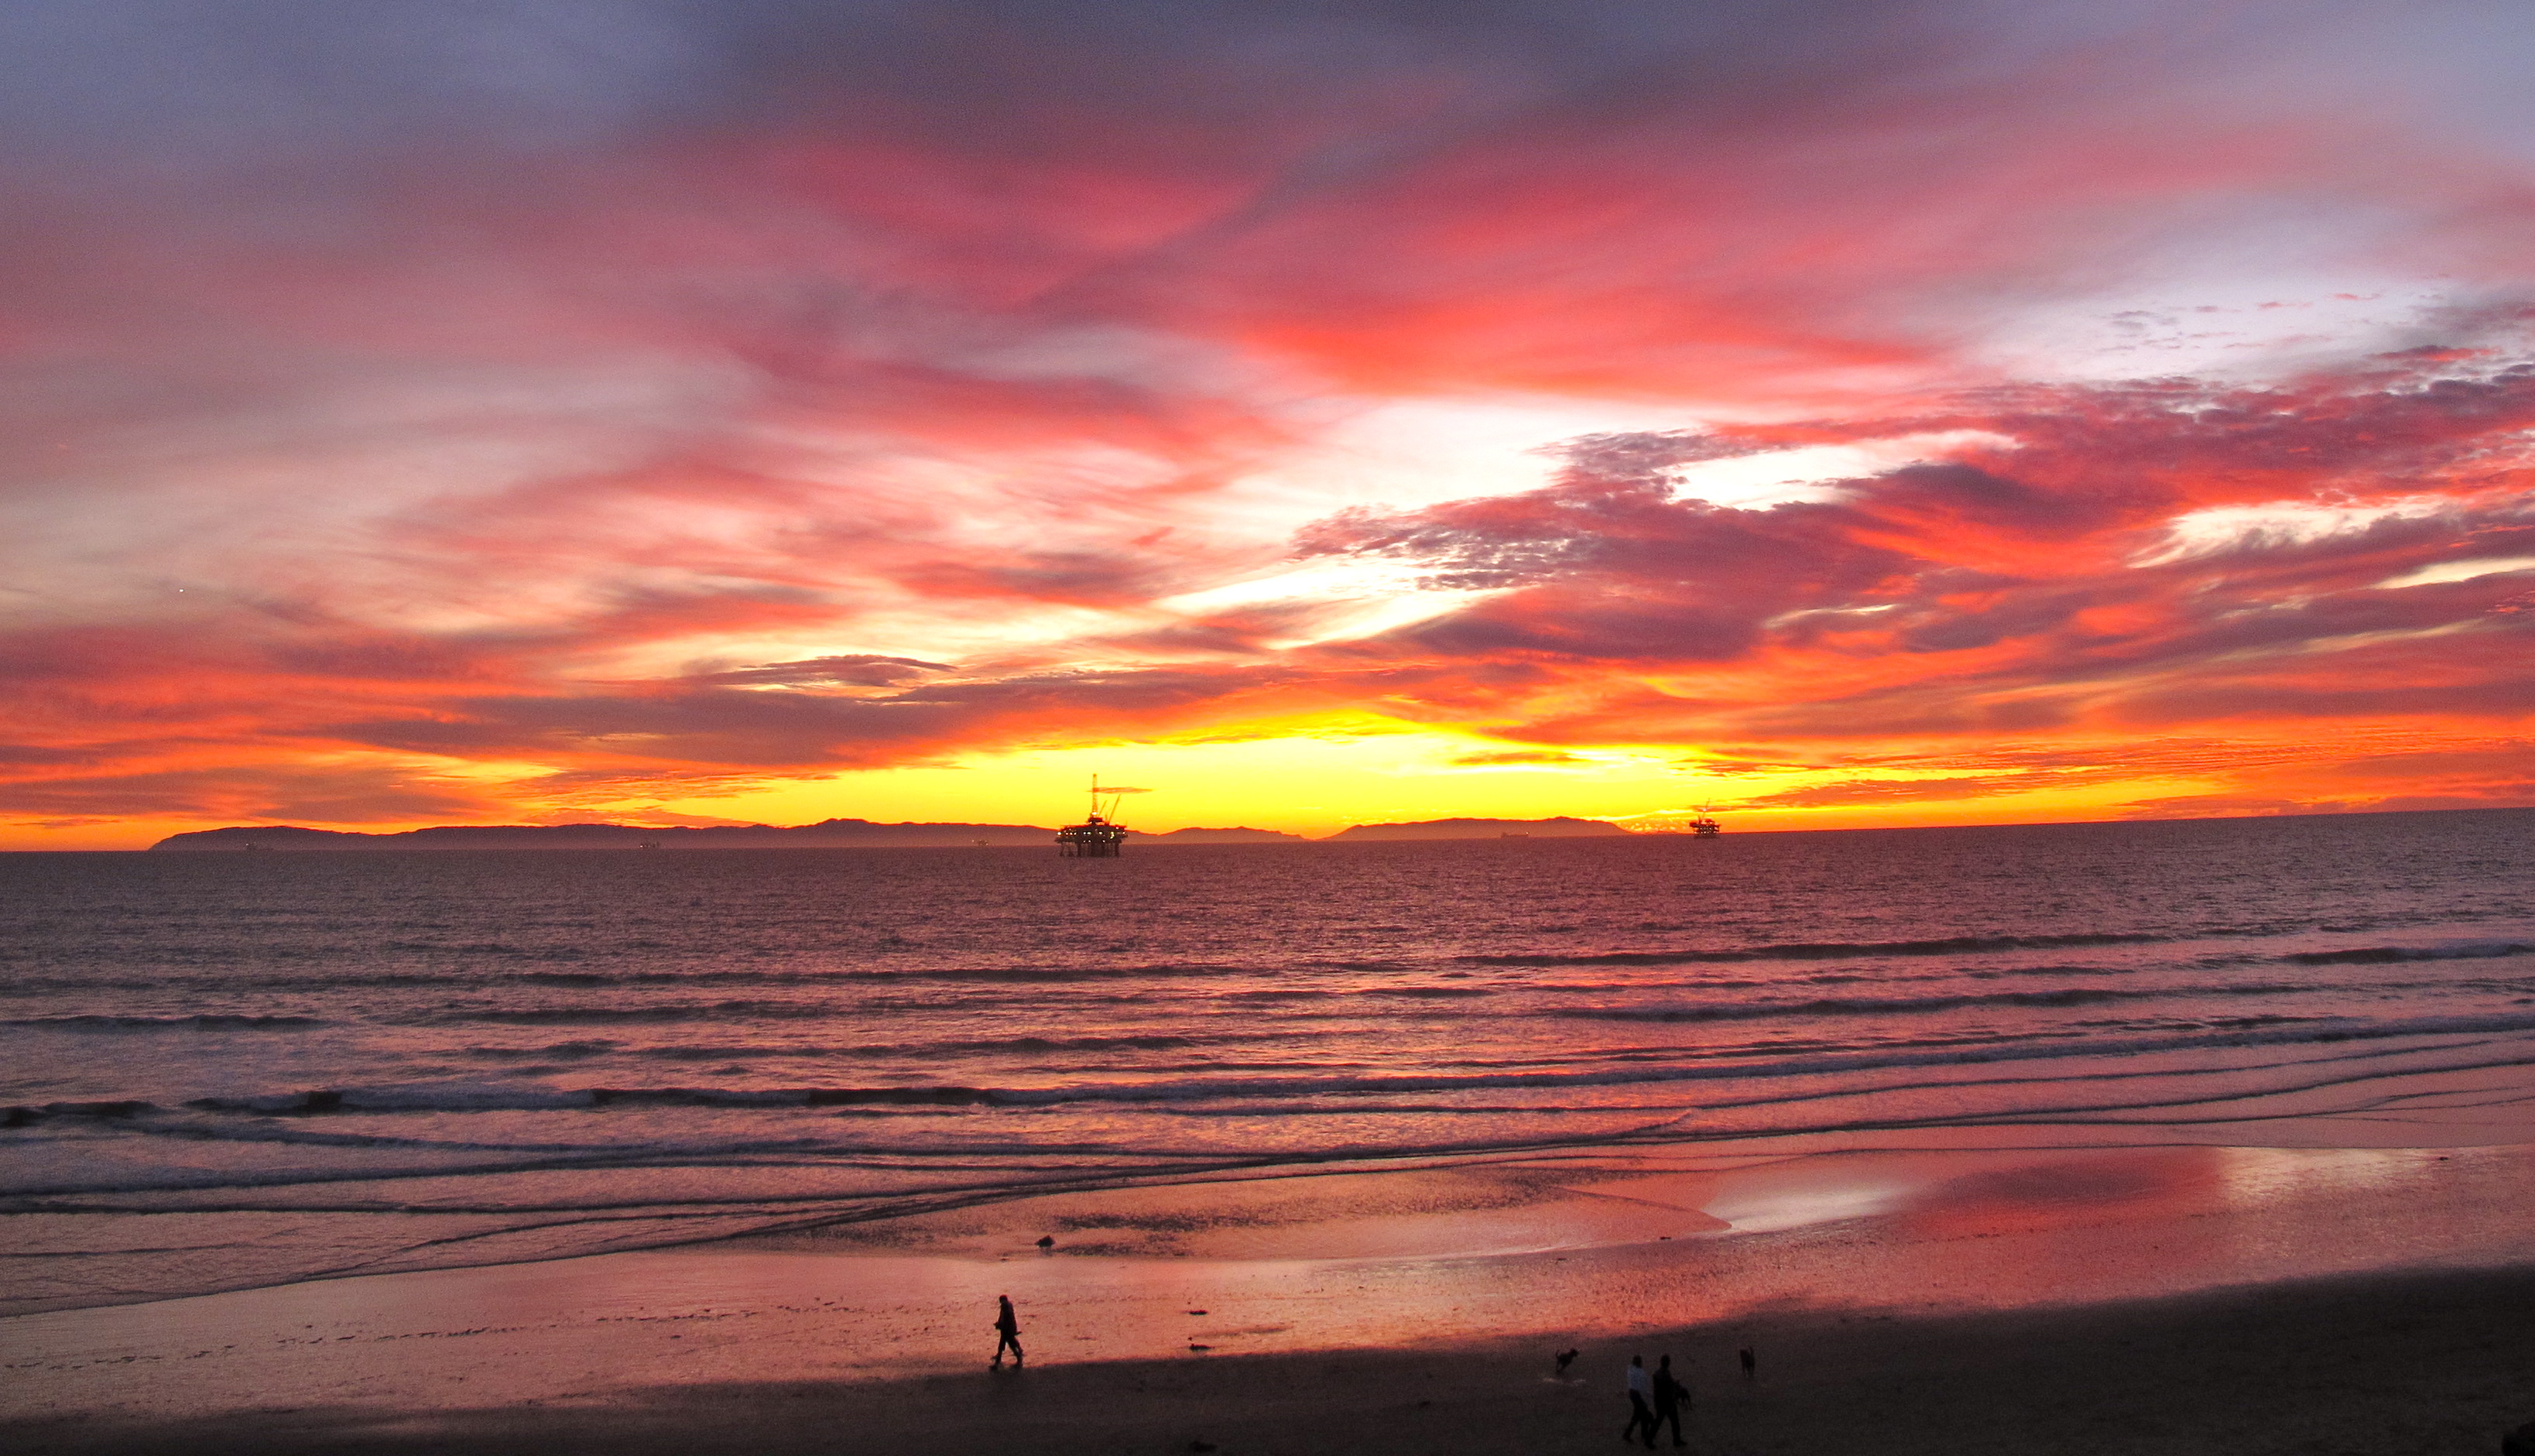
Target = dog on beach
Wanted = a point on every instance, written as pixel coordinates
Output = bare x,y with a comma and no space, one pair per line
1566,1360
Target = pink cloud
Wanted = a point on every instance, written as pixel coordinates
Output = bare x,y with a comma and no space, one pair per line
757,390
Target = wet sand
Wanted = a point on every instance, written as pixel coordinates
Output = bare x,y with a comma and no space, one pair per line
2120,1299
2436,1362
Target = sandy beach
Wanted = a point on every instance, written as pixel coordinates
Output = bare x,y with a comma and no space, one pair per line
1975,1300
2389,1363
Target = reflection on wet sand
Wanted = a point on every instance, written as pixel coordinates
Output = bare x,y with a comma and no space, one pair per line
1568,1251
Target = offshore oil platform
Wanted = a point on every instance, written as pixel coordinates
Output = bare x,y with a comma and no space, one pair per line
1706,826
1099,836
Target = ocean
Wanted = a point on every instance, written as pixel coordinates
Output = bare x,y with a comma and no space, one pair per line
240,1068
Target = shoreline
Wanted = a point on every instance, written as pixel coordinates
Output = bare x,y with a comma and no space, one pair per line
2412,1361
72,1260
1385,1281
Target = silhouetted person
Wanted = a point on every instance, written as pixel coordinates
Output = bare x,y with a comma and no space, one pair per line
1671,1399
1008,1330
1750,1364
1564,1360
1641,1416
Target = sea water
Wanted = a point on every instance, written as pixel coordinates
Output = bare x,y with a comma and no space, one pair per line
239,1067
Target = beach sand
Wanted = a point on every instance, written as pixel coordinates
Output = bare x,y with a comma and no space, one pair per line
2178,1299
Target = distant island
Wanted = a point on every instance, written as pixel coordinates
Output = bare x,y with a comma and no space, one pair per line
825,834
1561,827
834,832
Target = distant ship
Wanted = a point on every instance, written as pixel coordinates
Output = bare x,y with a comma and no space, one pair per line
1099,836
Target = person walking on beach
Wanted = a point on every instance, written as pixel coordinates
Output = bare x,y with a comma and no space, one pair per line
1640,1414
1008,1332
1672,1397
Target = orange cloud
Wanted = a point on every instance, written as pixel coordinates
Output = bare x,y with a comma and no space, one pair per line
732,396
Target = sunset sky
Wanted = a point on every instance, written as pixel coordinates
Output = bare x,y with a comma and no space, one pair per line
703,411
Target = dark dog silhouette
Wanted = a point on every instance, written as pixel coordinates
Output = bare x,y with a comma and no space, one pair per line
1566,1359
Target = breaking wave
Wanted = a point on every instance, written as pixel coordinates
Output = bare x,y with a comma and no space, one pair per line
1823,951
475,1097
2370,955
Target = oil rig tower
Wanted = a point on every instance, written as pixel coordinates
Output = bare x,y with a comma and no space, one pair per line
1099,836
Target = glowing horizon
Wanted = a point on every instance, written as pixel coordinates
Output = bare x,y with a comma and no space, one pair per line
1842,415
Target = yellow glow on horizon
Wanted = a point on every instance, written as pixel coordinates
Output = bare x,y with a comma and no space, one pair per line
1311,775
1317,777
1314,782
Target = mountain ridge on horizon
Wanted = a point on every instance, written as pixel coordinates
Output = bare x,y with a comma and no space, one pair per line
826,834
